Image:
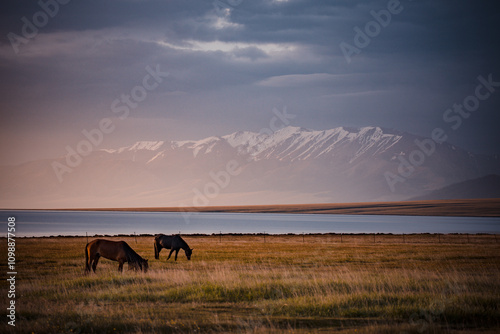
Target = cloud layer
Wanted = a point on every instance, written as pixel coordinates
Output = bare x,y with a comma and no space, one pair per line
230,62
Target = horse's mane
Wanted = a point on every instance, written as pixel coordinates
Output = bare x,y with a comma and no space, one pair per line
184,244
132,256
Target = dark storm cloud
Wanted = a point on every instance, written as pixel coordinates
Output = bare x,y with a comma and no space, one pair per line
96,14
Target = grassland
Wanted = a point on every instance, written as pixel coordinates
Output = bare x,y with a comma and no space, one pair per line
299,284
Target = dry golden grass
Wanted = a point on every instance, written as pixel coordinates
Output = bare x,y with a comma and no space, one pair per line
287,284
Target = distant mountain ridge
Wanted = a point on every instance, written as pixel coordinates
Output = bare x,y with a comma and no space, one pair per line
291,165
484,187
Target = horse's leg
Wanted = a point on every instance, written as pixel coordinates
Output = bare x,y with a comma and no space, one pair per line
176,252
96,260
87,265
157,250
120,266
171,251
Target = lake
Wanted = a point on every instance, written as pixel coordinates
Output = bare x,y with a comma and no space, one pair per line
49,223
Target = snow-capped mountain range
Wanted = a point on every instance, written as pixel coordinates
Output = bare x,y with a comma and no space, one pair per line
287,144
291,165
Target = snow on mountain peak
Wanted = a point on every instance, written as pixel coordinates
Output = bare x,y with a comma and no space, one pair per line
197,145
140,145
244,139
290,130
146,145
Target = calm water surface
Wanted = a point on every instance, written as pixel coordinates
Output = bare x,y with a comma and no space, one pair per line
47,223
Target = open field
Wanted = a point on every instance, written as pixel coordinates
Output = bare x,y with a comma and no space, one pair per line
460,207
290,283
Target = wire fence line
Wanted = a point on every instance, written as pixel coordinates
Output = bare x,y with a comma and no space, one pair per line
334,238
368,238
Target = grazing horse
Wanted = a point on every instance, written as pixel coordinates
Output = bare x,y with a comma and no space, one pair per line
173,242
113,250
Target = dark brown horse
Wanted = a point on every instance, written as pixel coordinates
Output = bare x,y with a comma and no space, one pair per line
173,242
113,250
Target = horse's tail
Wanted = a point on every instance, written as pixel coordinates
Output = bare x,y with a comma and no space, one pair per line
87,265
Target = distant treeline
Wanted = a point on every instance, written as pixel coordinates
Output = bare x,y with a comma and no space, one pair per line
257,234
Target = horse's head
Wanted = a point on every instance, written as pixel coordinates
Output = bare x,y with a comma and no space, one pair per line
139,264
188,252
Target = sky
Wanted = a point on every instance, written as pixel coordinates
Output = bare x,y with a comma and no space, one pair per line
178,70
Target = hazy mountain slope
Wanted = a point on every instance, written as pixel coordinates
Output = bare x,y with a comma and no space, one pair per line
292,165
484,187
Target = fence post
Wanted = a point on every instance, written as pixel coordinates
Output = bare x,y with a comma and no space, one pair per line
341,237
86,234
135,237
404,238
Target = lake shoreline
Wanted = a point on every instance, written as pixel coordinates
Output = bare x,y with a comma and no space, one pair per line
457,207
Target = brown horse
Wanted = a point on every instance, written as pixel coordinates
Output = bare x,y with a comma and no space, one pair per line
113,250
